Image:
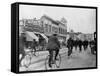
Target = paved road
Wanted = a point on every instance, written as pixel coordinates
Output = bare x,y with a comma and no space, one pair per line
77,60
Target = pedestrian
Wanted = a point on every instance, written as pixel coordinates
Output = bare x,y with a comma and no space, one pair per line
33,46
70,46
80,45
92,46
75,42
85,44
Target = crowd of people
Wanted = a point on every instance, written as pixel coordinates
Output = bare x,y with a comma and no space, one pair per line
79,43
54,45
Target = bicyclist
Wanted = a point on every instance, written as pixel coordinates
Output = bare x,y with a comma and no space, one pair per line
22,41
53,45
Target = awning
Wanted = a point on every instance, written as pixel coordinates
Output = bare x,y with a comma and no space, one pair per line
44,36
30,36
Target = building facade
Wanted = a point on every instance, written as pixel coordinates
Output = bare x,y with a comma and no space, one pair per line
51,26
45,25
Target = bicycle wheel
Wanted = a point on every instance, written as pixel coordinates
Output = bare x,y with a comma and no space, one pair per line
58,61
26,61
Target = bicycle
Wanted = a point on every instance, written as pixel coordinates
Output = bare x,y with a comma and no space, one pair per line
54,63
27,60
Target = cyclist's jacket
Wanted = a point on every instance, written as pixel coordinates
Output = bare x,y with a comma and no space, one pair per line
53,43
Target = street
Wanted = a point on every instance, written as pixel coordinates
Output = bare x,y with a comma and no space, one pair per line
77,60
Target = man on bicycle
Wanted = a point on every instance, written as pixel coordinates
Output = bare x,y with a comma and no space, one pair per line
22,41
53,45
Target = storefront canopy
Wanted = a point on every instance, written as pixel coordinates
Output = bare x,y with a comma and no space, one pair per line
30,36
44,36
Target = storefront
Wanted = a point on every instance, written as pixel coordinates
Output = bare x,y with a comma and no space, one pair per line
42,35
30,36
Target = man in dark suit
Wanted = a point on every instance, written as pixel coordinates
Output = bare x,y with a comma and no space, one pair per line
80,45
70,46
85,44
53,45
33,46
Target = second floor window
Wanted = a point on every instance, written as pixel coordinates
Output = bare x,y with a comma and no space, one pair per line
59,30
49,28
46,27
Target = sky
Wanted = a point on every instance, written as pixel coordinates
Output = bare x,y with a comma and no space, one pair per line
79,19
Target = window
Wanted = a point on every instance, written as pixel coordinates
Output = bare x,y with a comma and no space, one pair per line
57,30
46,27
52,28
61,30
49,28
